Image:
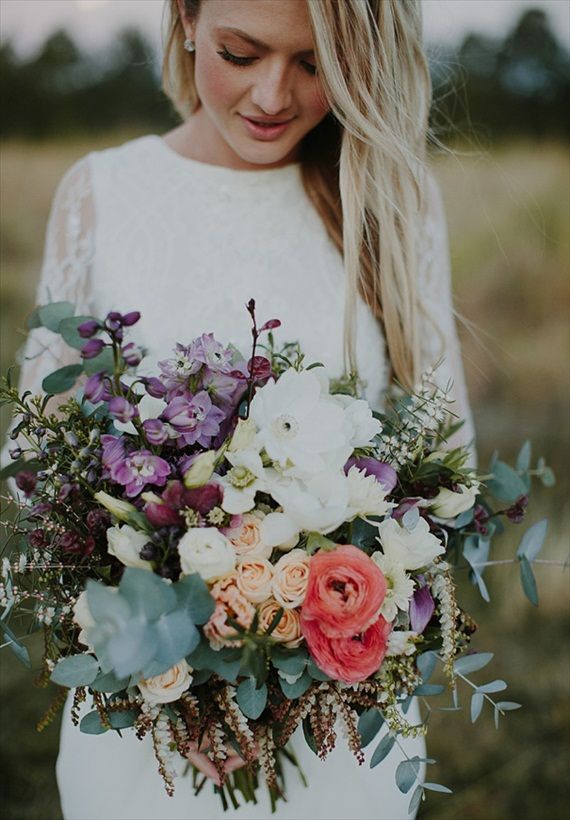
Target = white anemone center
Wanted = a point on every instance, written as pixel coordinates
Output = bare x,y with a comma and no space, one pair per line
285,426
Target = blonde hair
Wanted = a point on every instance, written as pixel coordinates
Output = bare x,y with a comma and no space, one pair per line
363,166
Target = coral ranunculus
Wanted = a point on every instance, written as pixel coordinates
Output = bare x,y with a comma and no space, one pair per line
351,659
345,592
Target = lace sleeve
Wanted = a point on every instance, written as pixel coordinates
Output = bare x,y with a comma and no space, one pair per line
438,335
65,273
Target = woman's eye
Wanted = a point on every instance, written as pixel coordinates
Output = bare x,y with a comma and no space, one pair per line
231,58
312,69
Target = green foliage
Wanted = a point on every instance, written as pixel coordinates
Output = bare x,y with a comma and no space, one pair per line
506,484
251,698
91,723
382,750
472,663
369,724
76,670
12,641
62,380
225,662
52,314
68,330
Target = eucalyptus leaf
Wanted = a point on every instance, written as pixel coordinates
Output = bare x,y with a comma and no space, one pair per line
109,682
175,636
508,705
192,592
528,580
104,362
50,315
296,689
62,380
426,664
464,518
251,700
315,672
76,670
472,663
547,477
382,750
34,319
524,456
291,661
406,774
68,330
492,686
16,647
429,689
147,594
437,787
477,701
369,724
506,484
416,800
91,724
533,539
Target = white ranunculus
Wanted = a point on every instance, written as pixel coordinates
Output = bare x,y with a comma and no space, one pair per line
83,618
245,478
361,424
366,494
168,686
448,504
299,427
206,551
401,642
400,587
411,548
125,543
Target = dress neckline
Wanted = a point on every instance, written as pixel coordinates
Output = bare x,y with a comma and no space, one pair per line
222,172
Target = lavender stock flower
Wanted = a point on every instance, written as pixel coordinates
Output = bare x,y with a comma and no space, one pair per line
154,387
122,409
97,388
155,431
194,418
139,469
129,319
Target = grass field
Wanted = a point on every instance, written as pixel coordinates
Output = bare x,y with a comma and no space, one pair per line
508,223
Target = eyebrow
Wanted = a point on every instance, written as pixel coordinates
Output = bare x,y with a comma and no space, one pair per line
257,43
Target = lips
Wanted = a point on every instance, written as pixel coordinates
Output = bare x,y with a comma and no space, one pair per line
264,129
266,122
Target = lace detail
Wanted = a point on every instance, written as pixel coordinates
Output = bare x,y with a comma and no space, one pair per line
438,331
65,274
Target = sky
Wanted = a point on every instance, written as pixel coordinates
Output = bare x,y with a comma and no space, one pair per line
93,22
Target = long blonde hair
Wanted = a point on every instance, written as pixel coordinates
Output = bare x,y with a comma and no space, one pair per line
363,166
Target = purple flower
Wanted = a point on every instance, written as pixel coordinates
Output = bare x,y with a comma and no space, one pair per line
139,469
37,538
26,481
382,472
194,418
113,453
154,387
177,498
516,512
155,431
113,321
225,389
211,353
177,371
97,388
92,348
132,354
422,607
122,409
88,329
129,319
404,506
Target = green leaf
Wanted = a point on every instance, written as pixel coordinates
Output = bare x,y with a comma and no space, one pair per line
17,466
429,689
309,737
225,662
417,795
174,636
472,663
547,477
296,689
382,750
91,723
406,774
315,672
192,592
524,456
63,379
492,686
34,319
19,651
108,682
316,541
291,661
147,594
51,315
532,541
251,700
68,329
528,581
437,787
76,670
508,705
506,484
103,362
477,701
426,664
369,724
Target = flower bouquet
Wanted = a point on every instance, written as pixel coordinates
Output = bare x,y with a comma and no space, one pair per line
231,548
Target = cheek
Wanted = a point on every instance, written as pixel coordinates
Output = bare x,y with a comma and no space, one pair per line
315,105
217,85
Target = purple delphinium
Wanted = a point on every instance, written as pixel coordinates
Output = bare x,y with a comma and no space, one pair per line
132,354
154,387
194,418
88,328
422,607
139,469
92,348
155,431
382,472
113,453
211,353
97,388
176,372
122,410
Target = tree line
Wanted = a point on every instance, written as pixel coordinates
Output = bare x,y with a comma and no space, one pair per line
492,87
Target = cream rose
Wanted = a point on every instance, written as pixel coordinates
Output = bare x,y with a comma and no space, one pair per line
290,579
288,630
411,548
254,577
168,686
230,603
125,543
83,618
448,504
247,540
206,551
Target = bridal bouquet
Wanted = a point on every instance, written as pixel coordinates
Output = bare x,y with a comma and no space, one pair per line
231,548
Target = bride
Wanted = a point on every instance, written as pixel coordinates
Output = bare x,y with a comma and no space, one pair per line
297,177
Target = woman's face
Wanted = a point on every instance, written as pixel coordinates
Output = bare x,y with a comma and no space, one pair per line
254,63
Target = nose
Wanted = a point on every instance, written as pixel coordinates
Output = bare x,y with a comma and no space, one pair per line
272,91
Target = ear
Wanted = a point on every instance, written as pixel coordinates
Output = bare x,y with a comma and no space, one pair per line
187,23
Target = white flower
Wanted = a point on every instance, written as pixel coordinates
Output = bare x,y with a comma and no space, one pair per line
120,509
206,551
401,643
366,495
167,686
360,423
201,469
448,504
400,587
411,548
83,618
299,426
242,481
125,543
243,437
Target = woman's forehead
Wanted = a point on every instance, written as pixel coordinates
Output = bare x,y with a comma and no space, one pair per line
274,24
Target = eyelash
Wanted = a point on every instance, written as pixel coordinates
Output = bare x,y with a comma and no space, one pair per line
245,61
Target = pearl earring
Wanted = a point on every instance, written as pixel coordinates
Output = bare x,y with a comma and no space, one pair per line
189,45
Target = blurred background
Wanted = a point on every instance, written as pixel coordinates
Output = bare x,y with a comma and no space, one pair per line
78,75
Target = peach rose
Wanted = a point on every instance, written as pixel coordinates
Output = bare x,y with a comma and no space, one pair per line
253,578
349,659
290,578
230,602
345,592
288,630
247,540
168,686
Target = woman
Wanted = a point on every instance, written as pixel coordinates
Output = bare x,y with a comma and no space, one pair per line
297,177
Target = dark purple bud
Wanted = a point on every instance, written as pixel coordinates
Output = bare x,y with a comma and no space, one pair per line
15,453
39,510
162,515
204,499
129,319
516,512
26,481
98,519
113,320
97,388
132,354
155,388
259,367
92,348
37,538
122,409
148,552
88,329
270,325
64,492
155,431
422,607
382,472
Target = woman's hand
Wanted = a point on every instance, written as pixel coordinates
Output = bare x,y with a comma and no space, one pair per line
203,763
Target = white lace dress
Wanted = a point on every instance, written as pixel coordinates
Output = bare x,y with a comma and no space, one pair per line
139,227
